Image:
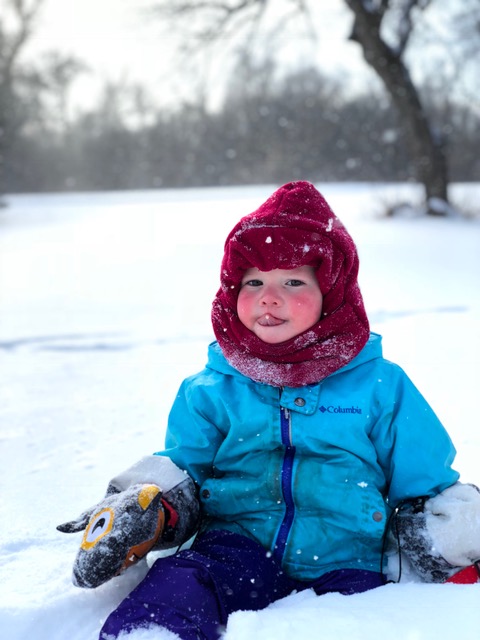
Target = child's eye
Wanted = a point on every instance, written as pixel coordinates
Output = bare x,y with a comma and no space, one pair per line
253,283
295,283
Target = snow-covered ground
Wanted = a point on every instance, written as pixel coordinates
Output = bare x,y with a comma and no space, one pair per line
104,309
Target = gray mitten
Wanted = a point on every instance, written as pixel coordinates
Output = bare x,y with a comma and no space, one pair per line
444,536
135,517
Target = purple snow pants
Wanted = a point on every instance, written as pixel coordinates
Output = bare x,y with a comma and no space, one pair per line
193,592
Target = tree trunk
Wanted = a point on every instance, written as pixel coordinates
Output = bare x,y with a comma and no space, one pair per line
426,147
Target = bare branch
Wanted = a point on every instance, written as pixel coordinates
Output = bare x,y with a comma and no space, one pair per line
304,10
218,20
223,12
11,43
405,21
405,25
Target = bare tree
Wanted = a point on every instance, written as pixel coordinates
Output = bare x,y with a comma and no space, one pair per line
387,59
59,72
33,95
16,28
383,28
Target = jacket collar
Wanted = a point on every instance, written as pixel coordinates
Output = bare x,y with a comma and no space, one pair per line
218,362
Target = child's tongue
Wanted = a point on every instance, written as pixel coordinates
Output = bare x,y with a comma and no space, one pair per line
269,321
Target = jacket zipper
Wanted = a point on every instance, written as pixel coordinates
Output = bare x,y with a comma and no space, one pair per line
286,475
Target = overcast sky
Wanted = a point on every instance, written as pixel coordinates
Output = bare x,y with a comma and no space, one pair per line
109,35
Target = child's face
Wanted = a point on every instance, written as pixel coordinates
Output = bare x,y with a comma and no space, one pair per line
279,304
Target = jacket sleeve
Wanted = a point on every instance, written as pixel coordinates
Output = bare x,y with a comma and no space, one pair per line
413,448
194,429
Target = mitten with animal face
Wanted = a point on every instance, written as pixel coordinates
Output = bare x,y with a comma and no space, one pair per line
150,506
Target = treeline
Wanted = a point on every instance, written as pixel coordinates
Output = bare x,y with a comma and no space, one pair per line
303,125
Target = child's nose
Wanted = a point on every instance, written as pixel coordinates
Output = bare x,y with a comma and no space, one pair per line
270,296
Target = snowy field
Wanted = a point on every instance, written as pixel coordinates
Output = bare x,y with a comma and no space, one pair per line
104,309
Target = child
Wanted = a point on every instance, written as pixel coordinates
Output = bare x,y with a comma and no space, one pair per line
297,439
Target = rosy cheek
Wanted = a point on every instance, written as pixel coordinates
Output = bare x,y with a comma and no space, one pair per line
244,305
303,301
310,305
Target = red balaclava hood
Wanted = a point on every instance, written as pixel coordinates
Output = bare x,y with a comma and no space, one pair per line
294,227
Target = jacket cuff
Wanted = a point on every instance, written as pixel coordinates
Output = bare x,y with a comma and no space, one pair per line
153,469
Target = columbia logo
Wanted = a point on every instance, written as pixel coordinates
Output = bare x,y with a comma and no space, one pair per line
338,409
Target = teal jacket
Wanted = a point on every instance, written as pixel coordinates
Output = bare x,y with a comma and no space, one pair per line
309,472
